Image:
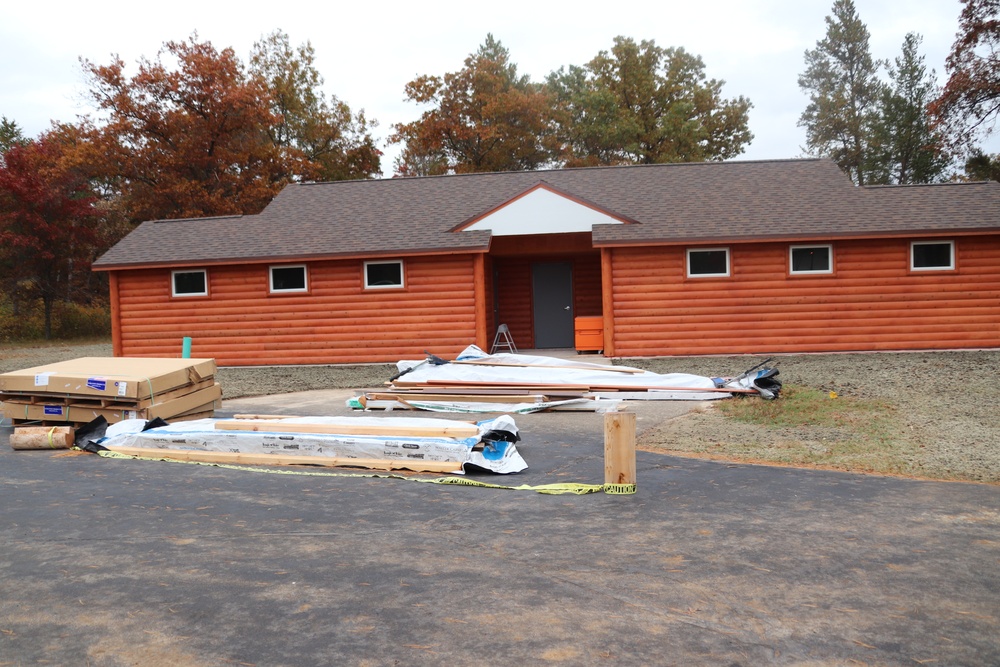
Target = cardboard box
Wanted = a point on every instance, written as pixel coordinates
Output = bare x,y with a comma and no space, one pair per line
34,397
124,378
84,411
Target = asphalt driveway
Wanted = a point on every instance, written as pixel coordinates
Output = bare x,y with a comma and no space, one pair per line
110,562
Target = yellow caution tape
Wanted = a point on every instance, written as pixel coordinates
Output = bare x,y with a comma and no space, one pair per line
619,489
550,489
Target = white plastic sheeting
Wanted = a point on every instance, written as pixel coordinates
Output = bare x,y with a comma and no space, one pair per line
496,456
529,369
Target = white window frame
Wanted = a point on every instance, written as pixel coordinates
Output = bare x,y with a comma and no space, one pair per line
729,270
181,295
791,262
402,274
296,290
951,264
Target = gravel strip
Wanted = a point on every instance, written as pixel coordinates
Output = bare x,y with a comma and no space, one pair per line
946,404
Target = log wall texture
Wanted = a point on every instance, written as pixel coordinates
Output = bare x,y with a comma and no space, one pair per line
338,321
872,301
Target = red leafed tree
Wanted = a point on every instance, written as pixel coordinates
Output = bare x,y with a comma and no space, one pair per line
50,228
969,105
187,140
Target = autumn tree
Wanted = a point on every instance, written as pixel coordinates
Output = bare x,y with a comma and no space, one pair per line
907,148
969,105
187,141
196,133
323,140
484,117
844,90
640,103
50,226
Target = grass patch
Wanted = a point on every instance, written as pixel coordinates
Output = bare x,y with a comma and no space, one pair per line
806,427
805,406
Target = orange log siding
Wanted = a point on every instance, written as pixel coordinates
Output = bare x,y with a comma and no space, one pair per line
872,301
513,290
337,321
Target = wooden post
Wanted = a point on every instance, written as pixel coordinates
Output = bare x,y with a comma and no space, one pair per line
619,452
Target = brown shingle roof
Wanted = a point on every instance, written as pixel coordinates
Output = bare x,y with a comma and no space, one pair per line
691,202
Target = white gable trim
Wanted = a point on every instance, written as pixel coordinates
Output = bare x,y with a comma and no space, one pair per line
542,211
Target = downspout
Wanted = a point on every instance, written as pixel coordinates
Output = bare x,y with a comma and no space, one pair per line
608,302
479,290
116,323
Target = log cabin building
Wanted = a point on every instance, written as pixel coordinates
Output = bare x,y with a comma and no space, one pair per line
780,256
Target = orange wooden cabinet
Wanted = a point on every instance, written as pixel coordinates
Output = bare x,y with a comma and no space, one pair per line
589,334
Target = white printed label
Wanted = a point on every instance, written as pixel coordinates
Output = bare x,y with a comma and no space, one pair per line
122,388
42,379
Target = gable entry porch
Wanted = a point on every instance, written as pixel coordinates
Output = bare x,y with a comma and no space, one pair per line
542,270
540,285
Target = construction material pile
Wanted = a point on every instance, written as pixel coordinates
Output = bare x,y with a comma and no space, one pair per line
520,383
386,443
77,391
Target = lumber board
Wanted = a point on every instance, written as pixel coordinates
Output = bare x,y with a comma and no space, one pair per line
474,383
245,416
594,387
722,390
455,398
579,367
479,391
458,430
289,459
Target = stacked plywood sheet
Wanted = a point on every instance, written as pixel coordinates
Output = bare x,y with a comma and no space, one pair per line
116,388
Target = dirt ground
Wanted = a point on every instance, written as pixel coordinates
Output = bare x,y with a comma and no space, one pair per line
942,407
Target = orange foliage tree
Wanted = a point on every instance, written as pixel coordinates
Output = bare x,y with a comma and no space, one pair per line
196,133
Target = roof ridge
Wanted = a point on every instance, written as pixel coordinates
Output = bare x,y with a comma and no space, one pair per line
199,219
702,163
882,186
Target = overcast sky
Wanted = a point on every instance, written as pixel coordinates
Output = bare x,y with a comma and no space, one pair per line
367,52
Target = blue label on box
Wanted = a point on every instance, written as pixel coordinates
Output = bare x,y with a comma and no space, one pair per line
100,384
54,410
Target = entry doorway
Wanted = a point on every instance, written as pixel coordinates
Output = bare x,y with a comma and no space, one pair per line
552,304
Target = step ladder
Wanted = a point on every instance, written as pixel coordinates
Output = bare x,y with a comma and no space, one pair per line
503,340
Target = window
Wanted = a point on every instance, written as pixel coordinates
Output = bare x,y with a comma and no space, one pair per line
189,283
289,279
810,259
382,275
708,262
932,255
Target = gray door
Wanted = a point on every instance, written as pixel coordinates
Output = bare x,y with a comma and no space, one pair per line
552,303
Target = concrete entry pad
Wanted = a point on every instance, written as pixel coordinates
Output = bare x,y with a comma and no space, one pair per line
106,562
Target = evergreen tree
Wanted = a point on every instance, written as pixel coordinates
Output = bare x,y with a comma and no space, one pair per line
10,136
910,150
844,90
